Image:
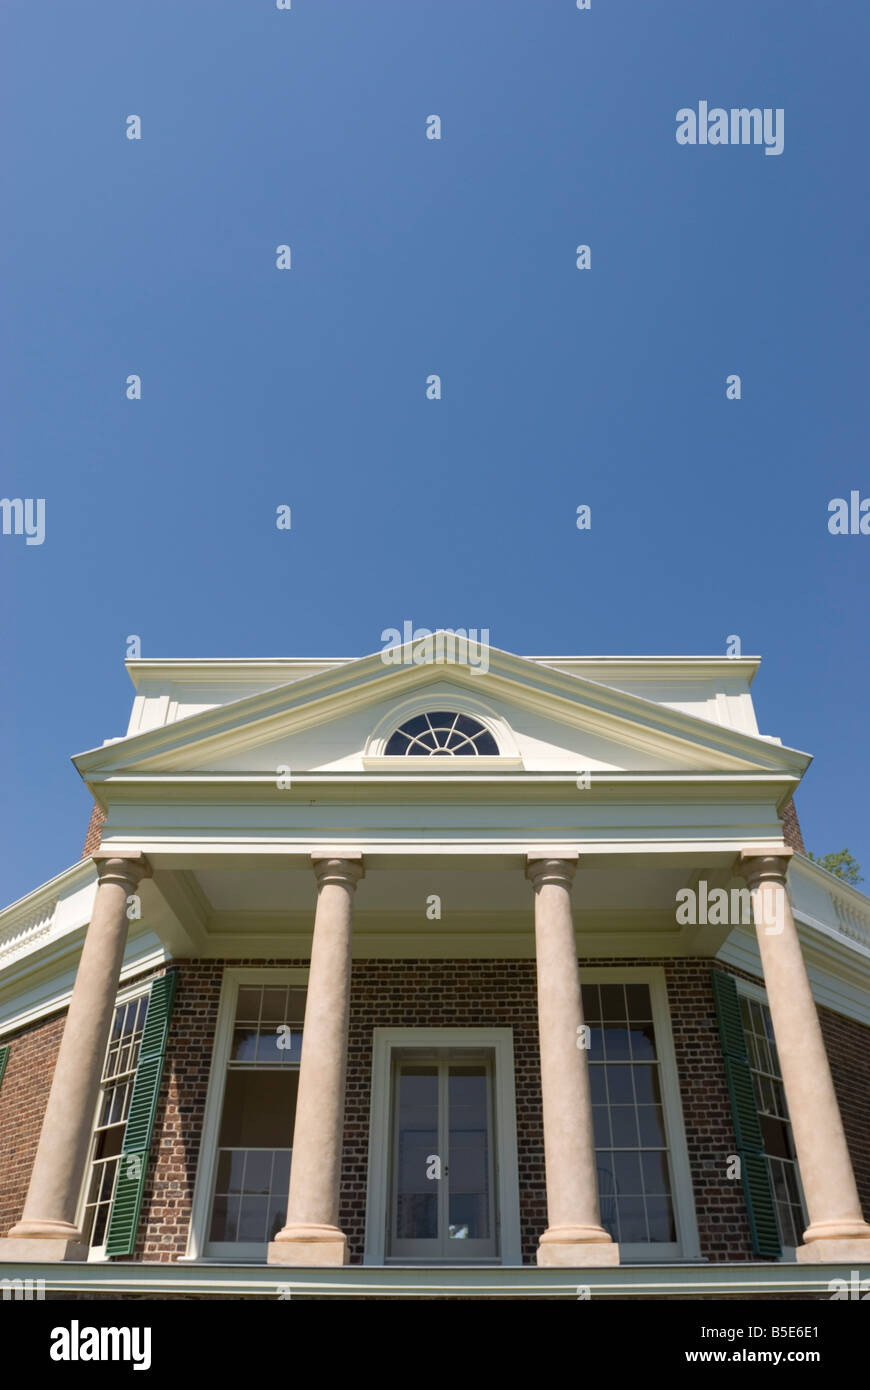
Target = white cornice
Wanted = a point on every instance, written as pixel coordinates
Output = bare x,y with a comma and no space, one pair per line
439,782
613,713
194,669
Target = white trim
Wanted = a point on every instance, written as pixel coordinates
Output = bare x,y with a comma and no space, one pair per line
499,1041
36,1006
688,1245
749,1279
233,977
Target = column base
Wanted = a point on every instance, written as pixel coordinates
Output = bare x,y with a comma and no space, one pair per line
308,1246
854,1251
37,1250
577,1247
835,1242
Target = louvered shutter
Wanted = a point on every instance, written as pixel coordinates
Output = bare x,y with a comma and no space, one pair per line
757,1188
4,1058
130,1184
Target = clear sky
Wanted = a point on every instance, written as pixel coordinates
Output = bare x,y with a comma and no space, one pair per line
410,256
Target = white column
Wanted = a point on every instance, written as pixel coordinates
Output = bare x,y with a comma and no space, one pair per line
47,1229
312,1235
837,1231
574,1236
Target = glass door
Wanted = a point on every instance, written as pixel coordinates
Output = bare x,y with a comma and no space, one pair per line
442,1192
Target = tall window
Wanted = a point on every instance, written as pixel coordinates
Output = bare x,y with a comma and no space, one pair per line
775,1124
249,1202
634,1172
119,1071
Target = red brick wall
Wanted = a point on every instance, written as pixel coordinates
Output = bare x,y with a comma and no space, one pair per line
23,1098
438,994
95,830
791,830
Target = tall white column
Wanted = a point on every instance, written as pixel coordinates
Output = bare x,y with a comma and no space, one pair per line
837,1231
47,1229
312,1235
574,1236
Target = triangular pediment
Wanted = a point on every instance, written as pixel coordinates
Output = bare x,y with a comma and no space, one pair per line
547,720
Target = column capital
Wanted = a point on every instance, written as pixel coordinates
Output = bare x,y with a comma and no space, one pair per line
345,869
541,869
126,870
764,865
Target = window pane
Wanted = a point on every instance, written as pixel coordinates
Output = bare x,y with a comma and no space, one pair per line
248,1006
656,1179
651,1125
632,1219
643,1043
660,1215
416,1194
274,1007
252,1218
646,1085
591,1004
639,1003
620,1091
244,1048
624,1125
613,1003
258,1172
468,1109
259,1109
616,1043
626,1169
230,1171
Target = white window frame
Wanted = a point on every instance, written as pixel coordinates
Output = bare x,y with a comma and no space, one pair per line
759,994
500,1042
97,1253
687,1245
233,978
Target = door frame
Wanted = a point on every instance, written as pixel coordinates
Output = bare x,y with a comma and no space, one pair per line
499,1041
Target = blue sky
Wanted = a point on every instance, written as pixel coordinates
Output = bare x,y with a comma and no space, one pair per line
307,387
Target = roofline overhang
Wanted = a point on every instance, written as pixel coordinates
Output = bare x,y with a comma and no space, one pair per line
141,669
351,685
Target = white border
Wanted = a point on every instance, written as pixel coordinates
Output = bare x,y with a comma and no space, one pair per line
500,1041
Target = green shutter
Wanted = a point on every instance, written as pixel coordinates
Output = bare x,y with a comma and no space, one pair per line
130,1185
4,1058
757,1189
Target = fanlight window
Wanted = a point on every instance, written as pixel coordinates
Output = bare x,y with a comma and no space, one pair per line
442,734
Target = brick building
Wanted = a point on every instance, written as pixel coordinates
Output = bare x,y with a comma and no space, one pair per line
411,975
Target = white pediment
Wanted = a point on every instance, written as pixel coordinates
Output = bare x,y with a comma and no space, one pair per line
543,720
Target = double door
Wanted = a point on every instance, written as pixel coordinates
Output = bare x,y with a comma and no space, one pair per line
442,1206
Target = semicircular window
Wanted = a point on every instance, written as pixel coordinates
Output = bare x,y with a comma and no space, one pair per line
442,734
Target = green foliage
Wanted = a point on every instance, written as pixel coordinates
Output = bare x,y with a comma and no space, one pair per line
842,864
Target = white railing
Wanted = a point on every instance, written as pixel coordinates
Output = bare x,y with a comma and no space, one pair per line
22,935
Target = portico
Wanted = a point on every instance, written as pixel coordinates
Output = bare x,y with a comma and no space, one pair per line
302,832
574,1236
